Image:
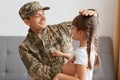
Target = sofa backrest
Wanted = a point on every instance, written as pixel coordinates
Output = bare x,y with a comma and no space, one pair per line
106,70
12,68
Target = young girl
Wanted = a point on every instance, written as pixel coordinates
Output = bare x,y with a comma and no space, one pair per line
81,63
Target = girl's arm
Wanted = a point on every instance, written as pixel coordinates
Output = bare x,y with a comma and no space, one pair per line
61,54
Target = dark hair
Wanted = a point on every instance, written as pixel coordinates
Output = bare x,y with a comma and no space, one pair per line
89,24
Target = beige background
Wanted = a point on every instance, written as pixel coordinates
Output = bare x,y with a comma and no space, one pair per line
61,10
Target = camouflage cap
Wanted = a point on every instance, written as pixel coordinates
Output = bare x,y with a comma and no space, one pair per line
30,9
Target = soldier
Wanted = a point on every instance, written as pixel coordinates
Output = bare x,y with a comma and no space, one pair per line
36,50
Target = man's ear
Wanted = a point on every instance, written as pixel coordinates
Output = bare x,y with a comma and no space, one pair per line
27,21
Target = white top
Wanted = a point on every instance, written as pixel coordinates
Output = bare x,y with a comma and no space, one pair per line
82,58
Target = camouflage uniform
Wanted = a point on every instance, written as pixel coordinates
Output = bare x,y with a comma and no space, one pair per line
36,50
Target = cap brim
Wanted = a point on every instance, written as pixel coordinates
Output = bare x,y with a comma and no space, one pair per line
46,8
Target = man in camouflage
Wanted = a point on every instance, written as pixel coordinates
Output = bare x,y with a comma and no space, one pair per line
36,50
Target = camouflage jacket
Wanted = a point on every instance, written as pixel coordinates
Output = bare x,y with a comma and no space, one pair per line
36,50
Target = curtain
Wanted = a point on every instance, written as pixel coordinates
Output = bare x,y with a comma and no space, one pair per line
119,65
117,43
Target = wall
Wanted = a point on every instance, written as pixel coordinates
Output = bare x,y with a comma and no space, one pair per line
61,10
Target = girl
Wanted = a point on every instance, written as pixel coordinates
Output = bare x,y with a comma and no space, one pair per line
81,63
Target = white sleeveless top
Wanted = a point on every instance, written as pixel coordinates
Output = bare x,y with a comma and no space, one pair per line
82,58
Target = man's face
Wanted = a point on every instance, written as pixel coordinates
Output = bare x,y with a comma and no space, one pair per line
37,22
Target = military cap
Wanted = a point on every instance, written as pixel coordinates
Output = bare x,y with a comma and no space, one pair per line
30,9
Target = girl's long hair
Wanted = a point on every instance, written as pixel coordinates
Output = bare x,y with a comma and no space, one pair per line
89,24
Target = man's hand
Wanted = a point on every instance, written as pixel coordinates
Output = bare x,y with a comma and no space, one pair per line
88,12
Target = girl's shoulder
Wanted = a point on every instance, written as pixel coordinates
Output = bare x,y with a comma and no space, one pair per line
81,56
81,50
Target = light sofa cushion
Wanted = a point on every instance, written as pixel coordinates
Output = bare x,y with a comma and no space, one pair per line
11,66
106,70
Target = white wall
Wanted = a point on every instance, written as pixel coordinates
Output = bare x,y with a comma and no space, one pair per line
61,10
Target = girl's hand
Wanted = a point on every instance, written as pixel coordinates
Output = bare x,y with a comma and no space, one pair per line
60,54
57,53
72,59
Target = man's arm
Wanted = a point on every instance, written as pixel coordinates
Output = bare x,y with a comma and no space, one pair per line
33,66
89,12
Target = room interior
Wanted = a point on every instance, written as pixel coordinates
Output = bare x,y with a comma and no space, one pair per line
14,31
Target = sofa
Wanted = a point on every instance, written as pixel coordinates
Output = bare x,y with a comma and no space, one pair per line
12,68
